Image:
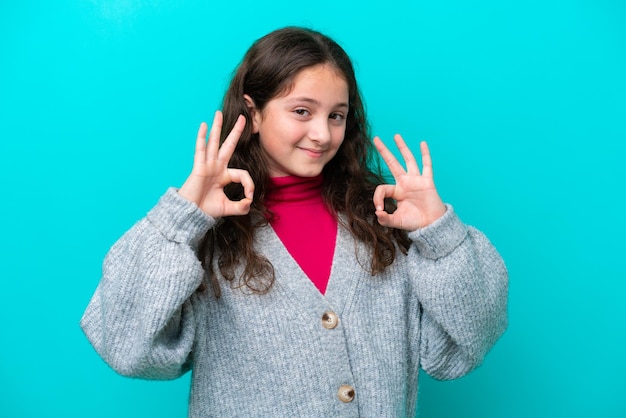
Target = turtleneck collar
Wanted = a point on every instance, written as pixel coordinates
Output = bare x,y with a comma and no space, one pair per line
304,224
294,190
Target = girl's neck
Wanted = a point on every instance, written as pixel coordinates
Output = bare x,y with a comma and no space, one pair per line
294,190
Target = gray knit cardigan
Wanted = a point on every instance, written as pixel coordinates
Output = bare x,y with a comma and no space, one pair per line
288,352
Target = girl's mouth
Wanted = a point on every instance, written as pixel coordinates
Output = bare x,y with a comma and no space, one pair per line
313,153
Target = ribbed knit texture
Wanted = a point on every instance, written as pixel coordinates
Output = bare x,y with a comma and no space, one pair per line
440,308
304,224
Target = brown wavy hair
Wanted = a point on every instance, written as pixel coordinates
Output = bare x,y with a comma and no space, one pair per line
267,71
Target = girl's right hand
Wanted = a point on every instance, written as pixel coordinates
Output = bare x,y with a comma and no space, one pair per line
210,174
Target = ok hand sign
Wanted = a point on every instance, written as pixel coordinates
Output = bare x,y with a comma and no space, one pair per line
210,173
418,203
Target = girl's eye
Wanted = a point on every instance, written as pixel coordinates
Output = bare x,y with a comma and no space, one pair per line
337,116
301,112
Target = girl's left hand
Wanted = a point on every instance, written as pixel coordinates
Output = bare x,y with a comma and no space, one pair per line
418,203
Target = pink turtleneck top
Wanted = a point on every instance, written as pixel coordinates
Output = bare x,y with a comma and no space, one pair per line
304,224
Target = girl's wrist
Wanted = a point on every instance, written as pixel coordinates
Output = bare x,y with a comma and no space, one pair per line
435,214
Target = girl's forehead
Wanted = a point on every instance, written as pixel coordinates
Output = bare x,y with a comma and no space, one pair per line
315,80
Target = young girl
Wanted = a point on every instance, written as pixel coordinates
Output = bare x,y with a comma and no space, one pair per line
284,273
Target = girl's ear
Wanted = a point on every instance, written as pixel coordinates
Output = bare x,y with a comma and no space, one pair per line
254,113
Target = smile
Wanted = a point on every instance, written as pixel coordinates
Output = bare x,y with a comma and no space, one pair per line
312,152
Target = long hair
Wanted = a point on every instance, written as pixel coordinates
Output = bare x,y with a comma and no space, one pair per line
350,177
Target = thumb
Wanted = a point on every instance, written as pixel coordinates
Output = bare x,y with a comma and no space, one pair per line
383,218
243,206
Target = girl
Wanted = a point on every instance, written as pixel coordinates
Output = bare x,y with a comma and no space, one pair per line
284,273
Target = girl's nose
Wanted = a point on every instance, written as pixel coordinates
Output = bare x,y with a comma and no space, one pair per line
320,131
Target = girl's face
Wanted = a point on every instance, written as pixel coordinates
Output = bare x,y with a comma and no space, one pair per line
302,130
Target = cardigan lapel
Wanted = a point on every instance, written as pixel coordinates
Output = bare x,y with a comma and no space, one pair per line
346,273
290,278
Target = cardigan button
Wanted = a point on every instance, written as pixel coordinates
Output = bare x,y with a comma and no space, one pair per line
330,320
346,393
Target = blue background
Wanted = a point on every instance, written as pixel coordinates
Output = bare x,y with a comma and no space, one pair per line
523,104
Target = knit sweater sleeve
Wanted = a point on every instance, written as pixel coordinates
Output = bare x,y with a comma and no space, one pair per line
140,319
462,286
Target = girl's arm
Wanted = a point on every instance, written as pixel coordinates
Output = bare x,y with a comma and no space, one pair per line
140,319
461,283
460,278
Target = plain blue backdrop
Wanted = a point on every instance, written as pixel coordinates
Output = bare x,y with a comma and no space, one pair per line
522,102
